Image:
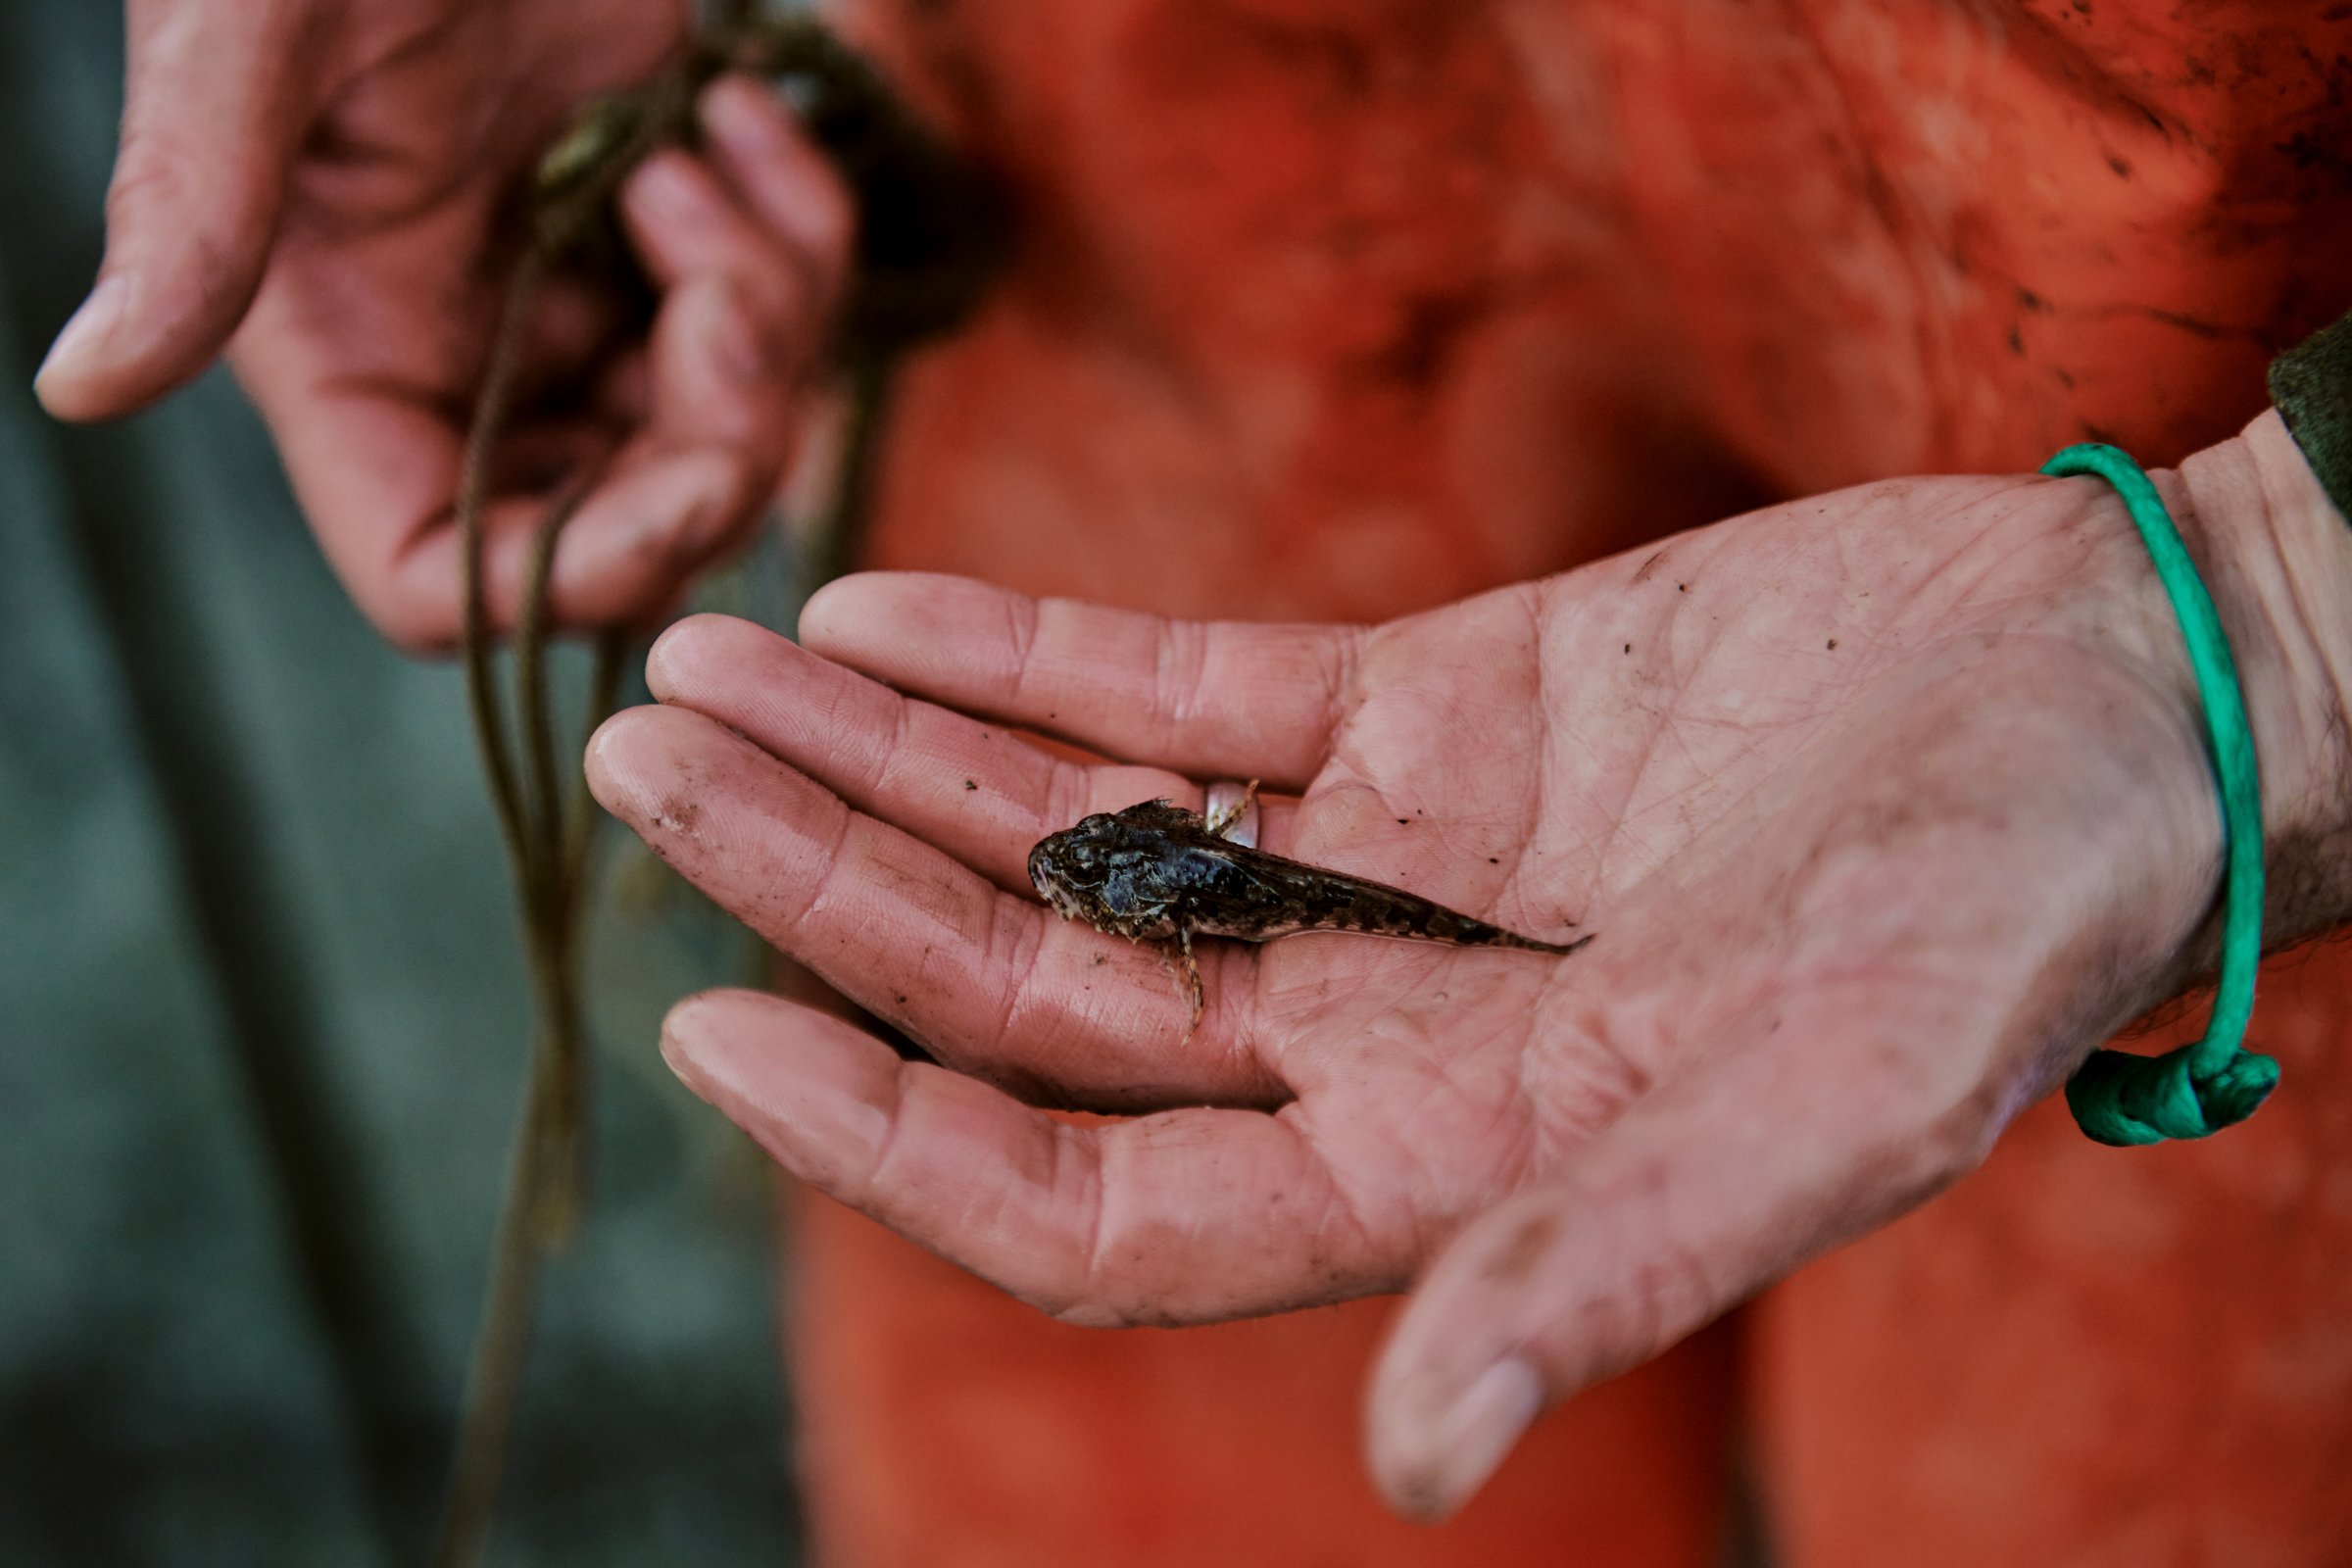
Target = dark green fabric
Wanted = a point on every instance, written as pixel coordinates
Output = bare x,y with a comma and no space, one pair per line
2311,385
262,1022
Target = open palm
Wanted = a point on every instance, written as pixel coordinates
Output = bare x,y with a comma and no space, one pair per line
1883,808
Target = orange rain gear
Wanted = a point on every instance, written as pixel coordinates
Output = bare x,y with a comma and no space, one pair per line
1344,308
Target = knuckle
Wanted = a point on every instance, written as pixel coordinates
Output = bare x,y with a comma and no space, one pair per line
157,164
1180,666
1014,946
1068,793
1025,635
147,176
1670,1292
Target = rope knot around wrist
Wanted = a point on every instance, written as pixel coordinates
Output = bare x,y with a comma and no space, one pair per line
2121,1098
2126,1100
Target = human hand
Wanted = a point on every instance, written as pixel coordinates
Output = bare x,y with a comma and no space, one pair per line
1884,807
325,183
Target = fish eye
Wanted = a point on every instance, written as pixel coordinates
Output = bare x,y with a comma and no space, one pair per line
1065,856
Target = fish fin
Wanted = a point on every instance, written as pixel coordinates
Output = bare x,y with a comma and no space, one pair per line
1158,812
1188,975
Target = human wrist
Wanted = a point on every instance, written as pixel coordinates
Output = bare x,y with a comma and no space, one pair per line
2277,557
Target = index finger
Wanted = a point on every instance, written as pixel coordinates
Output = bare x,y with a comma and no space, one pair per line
1202,698
217,100
974,790
991,982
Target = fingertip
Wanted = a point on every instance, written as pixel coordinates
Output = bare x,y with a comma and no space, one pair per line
625,760
1468,1367
418,609
214,102
185,254
669,190
1429,1454
408,576
696,1033
780,173
671,658
687,1030
765,293
125,347
743,117
816,1093
418,630
685,657
821,616
649,527
854,611
67,383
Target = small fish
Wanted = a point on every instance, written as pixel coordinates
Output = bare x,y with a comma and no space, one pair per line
1156,872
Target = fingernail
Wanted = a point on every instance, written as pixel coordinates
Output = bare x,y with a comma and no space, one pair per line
86,328
1465,1444
685,1036
697,1046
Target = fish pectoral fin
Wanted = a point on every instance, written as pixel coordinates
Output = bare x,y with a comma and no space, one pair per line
1188,976
1222,821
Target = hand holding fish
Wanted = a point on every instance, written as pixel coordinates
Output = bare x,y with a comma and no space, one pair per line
1881,827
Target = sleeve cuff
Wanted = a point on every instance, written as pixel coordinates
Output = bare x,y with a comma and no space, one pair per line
2310,385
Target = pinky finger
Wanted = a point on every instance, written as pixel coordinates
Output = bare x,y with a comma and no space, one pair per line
1182,1217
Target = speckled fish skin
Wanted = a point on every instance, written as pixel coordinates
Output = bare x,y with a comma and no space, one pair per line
1155,871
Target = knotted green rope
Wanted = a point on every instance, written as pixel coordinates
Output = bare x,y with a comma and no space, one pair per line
2200,1089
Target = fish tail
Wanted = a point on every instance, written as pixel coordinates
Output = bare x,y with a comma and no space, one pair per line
1512,939
1463,931
1406,915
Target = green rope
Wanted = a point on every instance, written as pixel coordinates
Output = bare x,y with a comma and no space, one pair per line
2200,1089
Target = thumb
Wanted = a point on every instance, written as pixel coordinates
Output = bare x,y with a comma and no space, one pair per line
1689,1205
213,112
